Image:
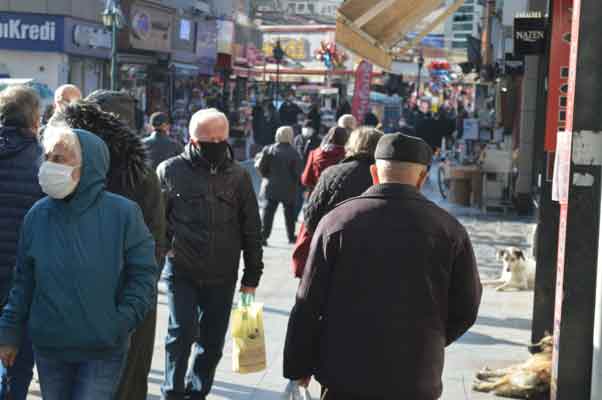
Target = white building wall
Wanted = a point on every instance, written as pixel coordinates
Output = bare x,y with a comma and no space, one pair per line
48,68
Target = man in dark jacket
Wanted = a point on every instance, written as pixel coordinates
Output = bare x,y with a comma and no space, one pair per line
212,215
20,157
282,183
390,281
130,176
289,111
160,146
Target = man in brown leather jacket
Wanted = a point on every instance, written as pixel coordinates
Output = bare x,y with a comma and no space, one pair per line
212,216
390,281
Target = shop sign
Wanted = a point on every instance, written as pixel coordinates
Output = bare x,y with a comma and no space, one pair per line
225,37
151,29
560,51
31,32
88,36
184,36
361,95
529,35
297,49
206,43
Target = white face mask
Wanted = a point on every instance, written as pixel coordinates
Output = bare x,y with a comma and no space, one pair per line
56,180
307,132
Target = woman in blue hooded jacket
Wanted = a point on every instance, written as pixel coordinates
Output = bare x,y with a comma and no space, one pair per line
85,273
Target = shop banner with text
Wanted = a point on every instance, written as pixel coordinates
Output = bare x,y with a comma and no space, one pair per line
560,51
361,94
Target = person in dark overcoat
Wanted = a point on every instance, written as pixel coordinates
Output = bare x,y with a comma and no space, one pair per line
391,280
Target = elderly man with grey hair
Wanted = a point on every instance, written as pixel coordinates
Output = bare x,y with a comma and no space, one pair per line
65,95
348,122
213,216
281,183
20,157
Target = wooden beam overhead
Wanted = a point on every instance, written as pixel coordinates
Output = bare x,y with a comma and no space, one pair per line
373,12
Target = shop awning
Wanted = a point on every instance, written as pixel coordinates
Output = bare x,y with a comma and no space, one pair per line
376,29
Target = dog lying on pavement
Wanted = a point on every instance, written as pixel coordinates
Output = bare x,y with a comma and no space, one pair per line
523,381
518,272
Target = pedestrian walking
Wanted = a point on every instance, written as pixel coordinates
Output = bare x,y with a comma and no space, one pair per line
308,141
315,116
329,153
392,279
281,184
85,273
20,157
160,146
212,215
129,176
289,111
370,119
343,108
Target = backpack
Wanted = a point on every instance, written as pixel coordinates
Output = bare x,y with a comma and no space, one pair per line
263,159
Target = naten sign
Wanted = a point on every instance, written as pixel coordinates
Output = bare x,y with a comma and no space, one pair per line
529,35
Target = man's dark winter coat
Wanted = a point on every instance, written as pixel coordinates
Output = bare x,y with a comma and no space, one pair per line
289,112
338,183
20,158
390,281
211,216
285,167
161,147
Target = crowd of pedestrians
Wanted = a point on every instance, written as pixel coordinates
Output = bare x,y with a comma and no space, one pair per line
93,215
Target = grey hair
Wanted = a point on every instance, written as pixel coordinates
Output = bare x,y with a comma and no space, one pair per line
19,107
285,134
347,121
58,132
400,172
205,115
363,140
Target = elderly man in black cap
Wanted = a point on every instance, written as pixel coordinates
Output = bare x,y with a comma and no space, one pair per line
160,146
391,280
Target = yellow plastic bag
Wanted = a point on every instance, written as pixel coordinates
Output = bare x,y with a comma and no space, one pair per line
248,352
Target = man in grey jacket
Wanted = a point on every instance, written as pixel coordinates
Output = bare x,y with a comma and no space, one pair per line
212,215
160,146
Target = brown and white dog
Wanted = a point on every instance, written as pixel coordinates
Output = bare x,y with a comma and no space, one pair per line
524,380
518,272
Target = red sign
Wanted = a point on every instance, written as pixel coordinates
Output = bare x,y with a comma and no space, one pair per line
565,157
560,51
361,95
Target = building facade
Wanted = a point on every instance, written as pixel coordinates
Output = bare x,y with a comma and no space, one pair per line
464,23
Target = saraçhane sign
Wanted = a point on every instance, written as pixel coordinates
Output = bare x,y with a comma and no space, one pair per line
529,35
31,32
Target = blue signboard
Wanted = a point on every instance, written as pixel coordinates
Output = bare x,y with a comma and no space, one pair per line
33,32
431,40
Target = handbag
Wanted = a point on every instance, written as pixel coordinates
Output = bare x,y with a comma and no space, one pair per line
248,336
295,392
263,161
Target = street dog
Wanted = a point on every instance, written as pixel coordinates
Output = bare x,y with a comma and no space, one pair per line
518,272
523,381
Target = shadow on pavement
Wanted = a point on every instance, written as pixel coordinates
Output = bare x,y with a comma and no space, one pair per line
479,339
516,323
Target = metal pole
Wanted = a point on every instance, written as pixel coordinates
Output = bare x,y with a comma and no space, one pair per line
418,82
277,81
114,72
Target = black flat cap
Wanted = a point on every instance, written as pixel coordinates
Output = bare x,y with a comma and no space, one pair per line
404,148
158,119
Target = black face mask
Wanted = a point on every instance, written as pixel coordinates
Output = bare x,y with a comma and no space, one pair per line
214,153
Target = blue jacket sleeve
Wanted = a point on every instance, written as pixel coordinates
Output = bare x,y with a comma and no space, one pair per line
140,271
16,312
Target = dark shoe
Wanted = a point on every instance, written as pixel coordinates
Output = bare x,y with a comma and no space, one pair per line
264,243
292,240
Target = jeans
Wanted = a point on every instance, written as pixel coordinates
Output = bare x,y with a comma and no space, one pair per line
268,219
94,379
20,374
198,319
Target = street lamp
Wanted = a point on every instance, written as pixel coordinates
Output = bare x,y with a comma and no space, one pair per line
420,62
278,54
112,19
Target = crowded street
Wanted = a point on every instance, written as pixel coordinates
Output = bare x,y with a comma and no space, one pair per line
300,199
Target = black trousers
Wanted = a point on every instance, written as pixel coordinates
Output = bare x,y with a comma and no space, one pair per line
133,385
329,394
269,211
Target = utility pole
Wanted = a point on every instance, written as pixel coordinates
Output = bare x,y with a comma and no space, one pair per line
578,184
486,50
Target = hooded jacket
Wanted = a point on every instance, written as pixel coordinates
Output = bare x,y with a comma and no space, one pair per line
212,215
86,272
320,159
20,156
